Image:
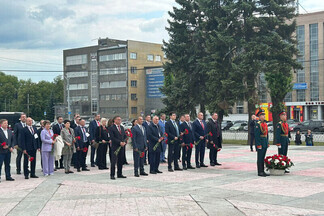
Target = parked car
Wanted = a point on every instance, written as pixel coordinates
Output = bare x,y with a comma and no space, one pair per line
293,126
293,121
238,126
315,126
226,124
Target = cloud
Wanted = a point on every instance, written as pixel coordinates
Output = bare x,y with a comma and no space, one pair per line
47,11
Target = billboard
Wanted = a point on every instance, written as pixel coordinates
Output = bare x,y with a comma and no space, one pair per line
154,81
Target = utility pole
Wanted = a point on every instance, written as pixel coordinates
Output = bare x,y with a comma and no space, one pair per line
27,104
68,95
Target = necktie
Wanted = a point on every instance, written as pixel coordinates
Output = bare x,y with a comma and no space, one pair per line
189,125
176,127
84,135
60,126
202,125
32,130
158,130
98,123
119,129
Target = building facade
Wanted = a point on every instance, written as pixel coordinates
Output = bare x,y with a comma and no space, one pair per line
109,78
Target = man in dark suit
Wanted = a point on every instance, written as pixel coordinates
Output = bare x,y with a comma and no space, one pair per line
173,131
6,147
139,142
92,130
30,145
81,145
17,137
118,138
74,124
200,131
215,141
188,141
146,123
252,128
57,130
155,136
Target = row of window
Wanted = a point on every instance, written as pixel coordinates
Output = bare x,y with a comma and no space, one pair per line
79,98
150,57
113,84
113,110
112,57
76,60
77,74
113,97
80,86
109,71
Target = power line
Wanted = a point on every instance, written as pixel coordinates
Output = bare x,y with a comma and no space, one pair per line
27,61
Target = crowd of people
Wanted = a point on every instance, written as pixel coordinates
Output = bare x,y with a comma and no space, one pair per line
65,145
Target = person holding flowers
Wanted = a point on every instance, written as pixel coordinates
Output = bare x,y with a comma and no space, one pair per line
200,131
188,140
102,137
139,142
215,141
118,138
30,145
155,138
81,145
6,147
261,142
48,140
282,135
67,134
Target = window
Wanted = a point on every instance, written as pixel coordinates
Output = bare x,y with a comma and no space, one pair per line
133,56
76,60
77,74
113,110
158,58
314,76
108,71
113,97
112,57
288,97
113,84
94,107
133,97
300,94
150,57
78,98
134,70
164,56
133,83
78,86
134,110
239,107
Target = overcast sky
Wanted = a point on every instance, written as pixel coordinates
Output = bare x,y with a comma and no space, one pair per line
34,33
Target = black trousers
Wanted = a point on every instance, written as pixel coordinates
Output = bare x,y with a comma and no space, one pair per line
18,160
92,156
61,163
101,155
5,158
117,159
186,156
32,153
213,155
173,151
80,159
154,159
252,141
138,163
200,152
261,153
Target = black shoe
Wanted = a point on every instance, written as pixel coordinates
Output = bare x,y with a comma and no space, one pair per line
191,167
26,177
136,175
144,174
163,161
251,150
145,163
85,169
203,165
121,176
79,170
184,168
286,171
212,164
152,172
158,171
67,172
34,176
101,168
92,165
18,172
71,171
105,168
55,169
10,179
170,170
197,166
61,167
177,169
262,174
218,164
112,177
126,163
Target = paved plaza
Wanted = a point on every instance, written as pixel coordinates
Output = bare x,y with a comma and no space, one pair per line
231,189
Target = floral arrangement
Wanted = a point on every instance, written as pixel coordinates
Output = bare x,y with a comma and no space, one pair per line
278,162
128,133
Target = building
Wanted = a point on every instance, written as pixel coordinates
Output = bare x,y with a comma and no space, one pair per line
306,101
110,78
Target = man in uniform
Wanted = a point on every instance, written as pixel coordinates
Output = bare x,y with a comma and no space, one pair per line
282,135
261,141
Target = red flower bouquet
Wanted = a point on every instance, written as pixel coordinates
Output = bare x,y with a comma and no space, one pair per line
281,162
3,144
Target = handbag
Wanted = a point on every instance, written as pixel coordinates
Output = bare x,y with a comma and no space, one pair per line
96,144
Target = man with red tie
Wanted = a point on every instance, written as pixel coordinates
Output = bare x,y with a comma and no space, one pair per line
200,132
81,145
92,130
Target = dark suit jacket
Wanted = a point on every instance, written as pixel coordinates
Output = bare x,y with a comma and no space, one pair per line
73,125
145,124
28,141
9,142
57,129
92,129
101,134
139,139
80,143
39,131
18,133
198,130
171,131
153,136
215,129
187,138
116,137
252,126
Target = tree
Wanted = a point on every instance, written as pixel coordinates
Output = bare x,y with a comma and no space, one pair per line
9,86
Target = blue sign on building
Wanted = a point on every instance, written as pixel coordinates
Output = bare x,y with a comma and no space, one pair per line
300,86
154,81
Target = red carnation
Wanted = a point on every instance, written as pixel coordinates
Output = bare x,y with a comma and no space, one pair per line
166,141
31,159
165,134
219,149
214,146
186,131
191,145
78,137
142,155
3,144
85,149
210,134
187,148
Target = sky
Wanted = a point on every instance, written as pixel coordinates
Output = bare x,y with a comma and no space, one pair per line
34,33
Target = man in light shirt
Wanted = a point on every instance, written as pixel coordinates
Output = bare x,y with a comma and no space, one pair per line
6,147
